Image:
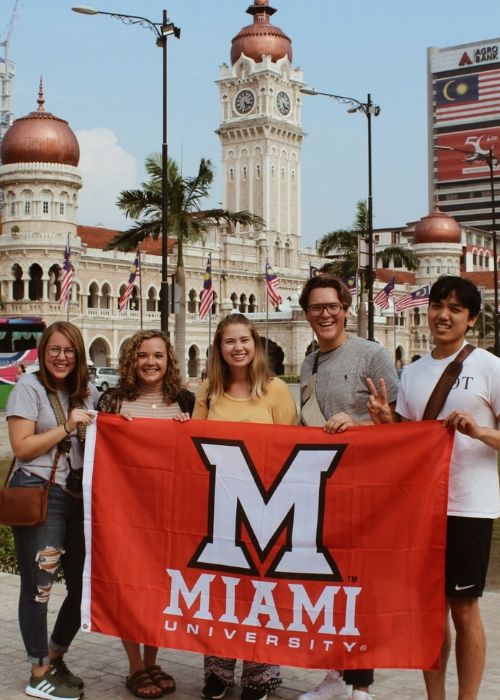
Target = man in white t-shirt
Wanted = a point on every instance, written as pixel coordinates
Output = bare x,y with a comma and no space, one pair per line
473,408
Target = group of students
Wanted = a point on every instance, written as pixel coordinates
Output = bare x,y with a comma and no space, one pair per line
347,381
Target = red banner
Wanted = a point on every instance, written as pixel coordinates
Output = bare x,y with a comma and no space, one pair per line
274,543
468,161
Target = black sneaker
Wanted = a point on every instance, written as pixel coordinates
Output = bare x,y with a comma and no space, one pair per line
65,674
214,688
50,687
253,694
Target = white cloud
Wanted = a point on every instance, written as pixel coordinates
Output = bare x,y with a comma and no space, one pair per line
106,169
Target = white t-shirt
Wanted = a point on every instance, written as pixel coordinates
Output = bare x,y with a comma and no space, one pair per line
474,487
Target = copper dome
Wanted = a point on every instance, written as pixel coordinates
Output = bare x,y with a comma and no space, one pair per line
40,137
437,227
261,37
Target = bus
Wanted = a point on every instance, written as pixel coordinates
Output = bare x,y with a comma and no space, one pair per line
19,339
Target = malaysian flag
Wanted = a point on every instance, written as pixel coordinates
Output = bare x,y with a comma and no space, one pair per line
207,295
475,96
272,282
382,298
135,271
67,277
417,298
351,282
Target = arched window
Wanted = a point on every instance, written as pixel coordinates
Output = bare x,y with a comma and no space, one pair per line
277,254
54,283
234,300
288,255
105,297
151,300
252,306
93,296
192,304
18,283
243,303
35,285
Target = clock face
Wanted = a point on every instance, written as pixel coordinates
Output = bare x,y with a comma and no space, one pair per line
244,101
283,103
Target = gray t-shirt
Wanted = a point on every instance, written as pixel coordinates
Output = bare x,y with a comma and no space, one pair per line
29,400
341,378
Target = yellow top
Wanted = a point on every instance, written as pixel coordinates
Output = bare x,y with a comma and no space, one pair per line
275,406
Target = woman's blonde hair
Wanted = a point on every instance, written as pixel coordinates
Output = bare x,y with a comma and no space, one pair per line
128,386
77,381
218,370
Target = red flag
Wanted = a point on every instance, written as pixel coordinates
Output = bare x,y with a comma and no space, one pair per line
267,542
207,295
135,271
67,277
272,283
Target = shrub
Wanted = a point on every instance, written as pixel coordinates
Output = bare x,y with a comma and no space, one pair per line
290,378
8,558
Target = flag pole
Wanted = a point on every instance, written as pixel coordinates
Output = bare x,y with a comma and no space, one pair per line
70,289
210,309
267,321
140,280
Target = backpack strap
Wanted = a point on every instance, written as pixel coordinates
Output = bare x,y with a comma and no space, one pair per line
445,382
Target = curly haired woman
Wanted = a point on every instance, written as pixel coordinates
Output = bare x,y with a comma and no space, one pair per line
149,387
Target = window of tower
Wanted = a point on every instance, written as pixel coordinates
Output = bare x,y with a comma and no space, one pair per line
27,207
257,172
45,207
61,208
244,172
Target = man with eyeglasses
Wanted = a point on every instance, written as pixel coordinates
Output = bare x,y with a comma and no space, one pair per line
335,394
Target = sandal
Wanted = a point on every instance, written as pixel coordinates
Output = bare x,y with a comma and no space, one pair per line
141,685
161,679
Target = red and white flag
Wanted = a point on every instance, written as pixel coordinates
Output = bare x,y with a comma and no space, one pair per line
272,284
135,271
67,278
207,295
272,543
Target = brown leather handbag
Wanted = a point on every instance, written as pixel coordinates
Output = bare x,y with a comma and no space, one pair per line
25,505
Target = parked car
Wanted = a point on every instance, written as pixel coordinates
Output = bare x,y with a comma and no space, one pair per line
105,377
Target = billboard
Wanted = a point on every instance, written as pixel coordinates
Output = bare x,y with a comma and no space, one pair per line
467,159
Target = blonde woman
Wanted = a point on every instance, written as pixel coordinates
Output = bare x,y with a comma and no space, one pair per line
240,388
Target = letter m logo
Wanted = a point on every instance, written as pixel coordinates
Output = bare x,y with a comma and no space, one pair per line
294,504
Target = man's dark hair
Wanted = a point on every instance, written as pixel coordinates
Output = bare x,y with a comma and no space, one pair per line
324,280
466,292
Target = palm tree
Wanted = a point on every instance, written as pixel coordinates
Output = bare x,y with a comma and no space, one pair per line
187,221
341,247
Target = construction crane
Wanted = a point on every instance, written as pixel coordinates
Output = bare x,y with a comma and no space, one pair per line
7,73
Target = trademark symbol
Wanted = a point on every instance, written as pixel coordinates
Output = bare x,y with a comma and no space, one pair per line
352,579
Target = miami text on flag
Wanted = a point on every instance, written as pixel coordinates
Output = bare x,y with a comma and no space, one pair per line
272,283
135,271
418,298
67,277
382,298
207,295
278,544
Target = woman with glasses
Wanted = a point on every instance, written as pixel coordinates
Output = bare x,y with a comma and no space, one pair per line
240,388
47,413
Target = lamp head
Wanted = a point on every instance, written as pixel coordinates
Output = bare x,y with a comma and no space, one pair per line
84,10
308,91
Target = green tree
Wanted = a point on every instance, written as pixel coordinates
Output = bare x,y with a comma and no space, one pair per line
341,249
187,221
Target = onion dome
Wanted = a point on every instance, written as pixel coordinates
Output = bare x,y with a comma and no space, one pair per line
40,137
261,37
437,227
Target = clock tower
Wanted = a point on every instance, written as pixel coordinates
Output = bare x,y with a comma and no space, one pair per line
261,132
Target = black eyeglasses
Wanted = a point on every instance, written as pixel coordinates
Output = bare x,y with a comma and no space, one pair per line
55,351
317,309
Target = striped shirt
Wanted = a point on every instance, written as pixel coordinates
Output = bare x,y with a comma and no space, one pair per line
150,405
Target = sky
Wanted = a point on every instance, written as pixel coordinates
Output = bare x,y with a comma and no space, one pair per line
104,78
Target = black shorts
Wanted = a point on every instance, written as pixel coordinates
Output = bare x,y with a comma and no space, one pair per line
468,542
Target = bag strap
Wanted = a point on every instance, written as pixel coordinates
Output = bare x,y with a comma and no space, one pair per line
52,471
61,418
445,382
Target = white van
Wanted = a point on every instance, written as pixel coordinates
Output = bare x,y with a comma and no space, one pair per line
105,377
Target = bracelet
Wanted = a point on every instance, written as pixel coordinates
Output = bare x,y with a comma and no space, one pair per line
68,432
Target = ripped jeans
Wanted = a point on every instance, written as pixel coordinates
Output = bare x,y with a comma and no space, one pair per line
41,549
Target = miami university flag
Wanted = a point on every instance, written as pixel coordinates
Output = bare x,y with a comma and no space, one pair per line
279,544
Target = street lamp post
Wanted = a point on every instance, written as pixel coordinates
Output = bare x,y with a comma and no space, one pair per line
163,30
368,109
490,159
